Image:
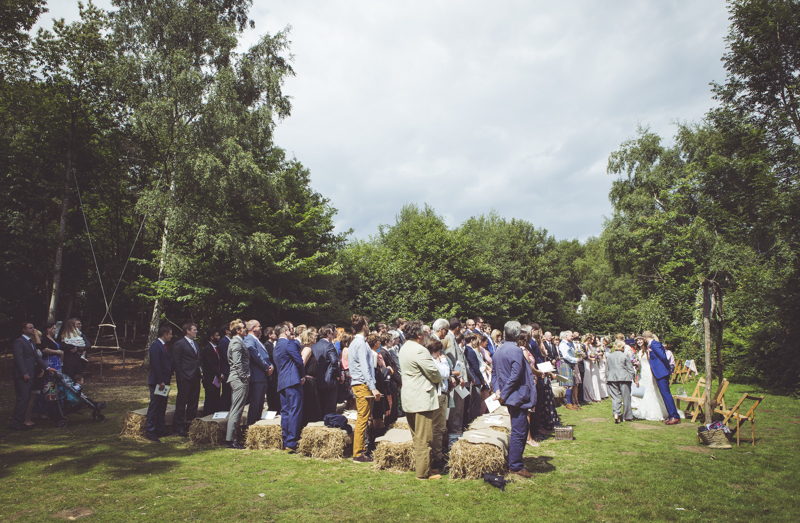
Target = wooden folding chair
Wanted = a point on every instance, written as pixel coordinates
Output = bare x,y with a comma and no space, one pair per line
694,400
735,413
678,371
697,399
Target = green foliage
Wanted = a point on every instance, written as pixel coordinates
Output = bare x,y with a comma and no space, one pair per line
488,266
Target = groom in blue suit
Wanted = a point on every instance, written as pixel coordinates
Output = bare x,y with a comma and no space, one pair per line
659,365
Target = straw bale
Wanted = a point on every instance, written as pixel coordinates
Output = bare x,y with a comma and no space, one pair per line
471,460
265,434
134,423
401,423
559,395
209,431
480,423
319,441
395,451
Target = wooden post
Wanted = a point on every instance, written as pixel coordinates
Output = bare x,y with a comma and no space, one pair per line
707,336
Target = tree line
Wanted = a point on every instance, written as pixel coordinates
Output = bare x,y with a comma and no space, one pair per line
151,129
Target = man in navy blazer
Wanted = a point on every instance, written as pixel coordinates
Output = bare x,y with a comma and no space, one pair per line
659,366
160,376
291,377
260,371
473,407
512,381
188,376
327,370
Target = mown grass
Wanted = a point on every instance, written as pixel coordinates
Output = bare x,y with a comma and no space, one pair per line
640,471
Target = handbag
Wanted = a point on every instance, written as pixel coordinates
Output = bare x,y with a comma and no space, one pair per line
637,390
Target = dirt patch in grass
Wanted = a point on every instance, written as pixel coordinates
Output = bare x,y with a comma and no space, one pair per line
696,449
598,506
594,420
76,513
628,453
736,486
642,426
13,517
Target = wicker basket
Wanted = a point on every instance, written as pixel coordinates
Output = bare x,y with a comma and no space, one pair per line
564,433
715,439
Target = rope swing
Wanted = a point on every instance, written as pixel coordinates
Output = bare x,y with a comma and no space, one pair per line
111,324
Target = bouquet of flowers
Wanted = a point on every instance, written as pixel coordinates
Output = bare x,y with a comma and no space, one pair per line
636,363
580,353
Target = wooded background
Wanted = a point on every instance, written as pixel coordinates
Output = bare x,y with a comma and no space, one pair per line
147,127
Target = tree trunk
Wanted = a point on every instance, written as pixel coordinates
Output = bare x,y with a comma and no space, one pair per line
51,313
154,319
717,309
707,334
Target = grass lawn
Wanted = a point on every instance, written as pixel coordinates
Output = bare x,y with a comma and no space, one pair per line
639,471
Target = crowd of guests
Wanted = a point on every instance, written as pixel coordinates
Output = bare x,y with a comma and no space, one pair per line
37,357
438,375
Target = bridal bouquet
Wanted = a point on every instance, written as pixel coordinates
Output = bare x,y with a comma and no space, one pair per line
636,363
579,353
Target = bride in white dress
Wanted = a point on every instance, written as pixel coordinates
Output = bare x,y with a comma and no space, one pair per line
591,373
601,365
651,406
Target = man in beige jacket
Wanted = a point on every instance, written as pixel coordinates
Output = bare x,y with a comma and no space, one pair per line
421,378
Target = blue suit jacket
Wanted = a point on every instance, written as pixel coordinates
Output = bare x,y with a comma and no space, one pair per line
474,364
160,364
289,362
259,360
659,364
327,364
512,376
223,357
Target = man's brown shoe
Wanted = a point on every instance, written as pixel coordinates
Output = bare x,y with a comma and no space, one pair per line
570,406
432,476
674,421
524,473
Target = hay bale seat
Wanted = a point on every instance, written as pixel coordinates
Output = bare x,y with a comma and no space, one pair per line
134,424
265,434
401,423
559,395
479,452
395,451
482,423
321,442
209,431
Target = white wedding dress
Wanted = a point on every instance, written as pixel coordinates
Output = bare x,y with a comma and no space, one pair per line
601,365
651,406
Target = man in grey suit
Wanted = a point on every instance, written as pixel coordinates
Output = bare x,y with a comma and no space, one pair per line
239,378
459,363
186,364
619,374
26,361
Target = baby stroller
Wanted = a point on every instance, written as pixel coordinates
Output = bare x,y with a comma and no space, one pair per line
66,398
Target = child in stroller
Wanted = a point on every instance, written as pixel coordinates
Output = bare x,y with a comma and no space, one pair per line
66,397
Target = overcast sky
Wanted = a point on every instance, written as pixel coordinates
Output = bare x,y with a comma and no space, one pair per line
472,106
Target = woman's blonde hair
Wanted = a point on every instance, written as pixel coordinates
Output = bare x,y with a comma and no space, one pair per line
307,338
70,330
619,345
